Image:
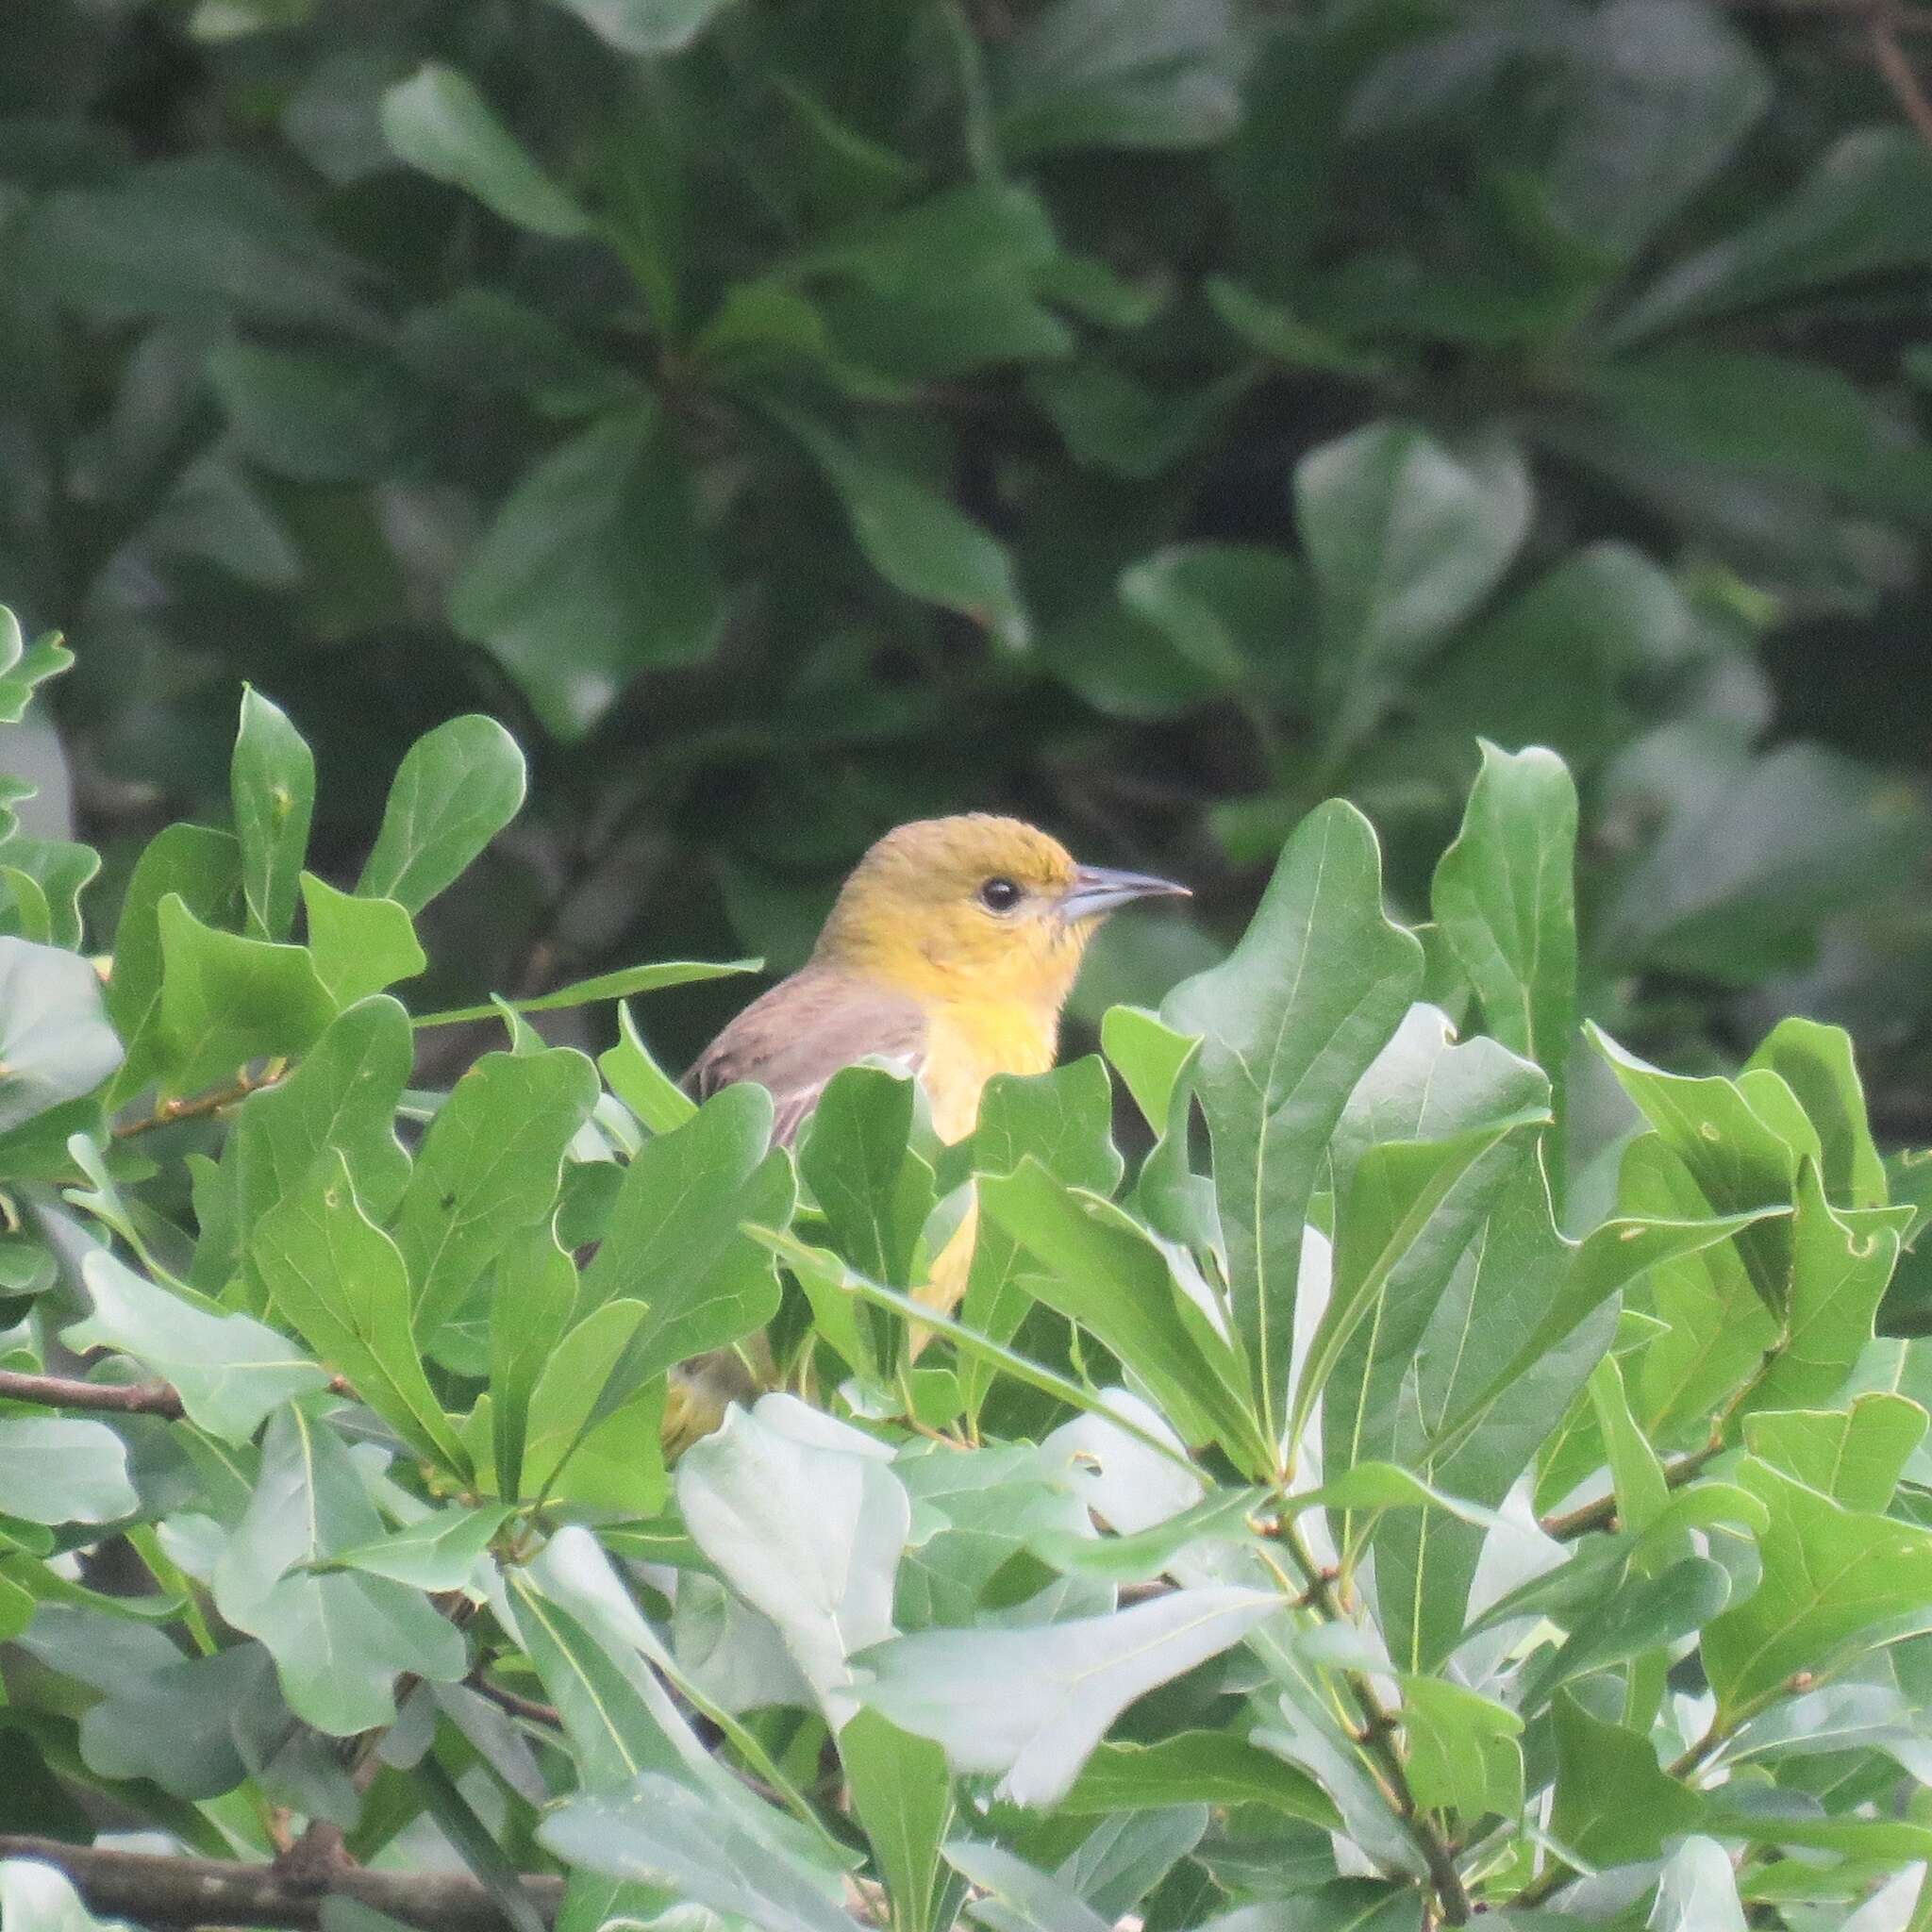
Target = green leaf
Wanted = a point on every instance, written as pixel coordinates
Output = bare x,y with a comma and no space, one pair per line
560,592
489,1168
359,945
202,867
227,1000
1061,1685
640,1082
605,986
875,1191
329,416
229,1371
673,1237
1063,1119
583,1388
56,1044
1193,1768
1288,1023
1614,1802
1863,209
439,1553
1829,1574
341,1099
1462,1749
436,121
456,788
1504,896
660,1832
50,873
175,1724
915,538
805,1522
339,1641
1099,74
1852,1456
645,26
343,1283
536,1287
1149,1056
472,1842
1107,1272
271,782
1815,1063
61,1469
904,1800
1739,1162
1020,1897
1406,536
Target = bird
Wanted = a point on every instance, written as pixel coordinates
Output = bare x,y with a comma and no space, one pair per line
949,952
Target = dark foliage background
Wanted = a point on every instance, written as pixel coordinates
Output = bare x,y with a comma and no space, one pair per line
793,416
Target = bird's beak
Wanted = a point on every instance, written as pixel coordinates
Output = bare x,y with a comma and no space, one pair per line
1098,889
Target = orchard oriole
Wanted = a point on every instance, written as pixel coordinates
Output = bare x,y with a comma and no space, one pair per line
951,950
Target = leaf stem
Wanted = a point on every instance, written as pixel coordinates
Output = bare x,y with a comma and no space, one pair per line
1377,1740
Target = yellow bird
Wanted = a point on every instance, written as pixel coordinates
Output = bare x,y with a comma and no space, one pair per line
951,950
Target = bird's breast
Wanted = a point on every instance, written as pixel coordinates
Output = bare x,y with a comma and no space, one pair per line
967,1043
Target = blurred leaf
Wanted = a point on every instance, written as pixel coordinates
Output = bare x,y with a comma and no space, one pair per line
1504,896
52,873
1116,73
175,1724
914,538
436,121
271,780
1193,1768
40,1897
1697,1891
342,1281
1114,423
318,417
456,789
56,1044
489,1168
564,594
662,1833
229,1372
1664,95
1862,210
1019,1897
59,1469
1062,1685
227,1000
1288,1023
645,26
359,945
339,1641
1406,536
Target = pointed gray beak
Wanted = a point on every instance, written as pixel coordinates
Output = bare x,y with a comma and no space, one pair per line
1098,889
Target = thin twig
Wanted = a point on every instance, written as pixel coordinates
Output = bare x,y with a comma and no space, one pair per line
1602,1514
1377,1737
517,1705
165,1891
171,1111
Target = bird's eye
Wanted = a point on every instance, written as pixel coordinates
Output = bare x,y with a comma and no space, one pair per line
999,895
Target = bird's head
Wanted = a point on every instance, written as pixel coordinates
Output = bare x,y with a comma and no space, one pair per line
974,907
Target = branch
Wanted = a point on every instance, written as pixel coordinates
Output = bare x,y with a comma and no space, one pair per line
1602,1514
1889,58
1377,1739
169,1111
112,1398
163,1891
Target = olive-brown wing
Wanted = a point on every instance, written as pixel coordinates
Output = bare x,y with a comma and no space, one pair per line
794,1038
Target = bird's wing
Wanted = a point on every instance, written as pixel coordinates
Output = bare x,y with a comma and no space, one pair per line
792,1039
